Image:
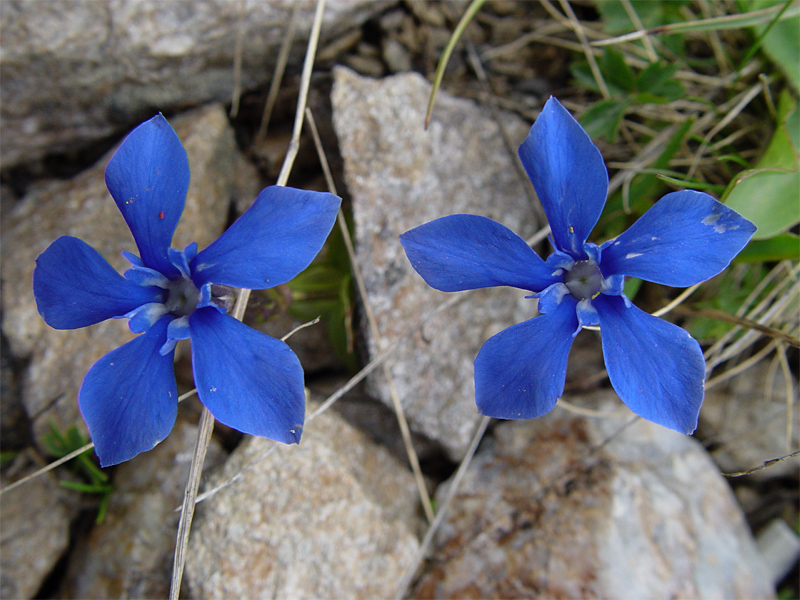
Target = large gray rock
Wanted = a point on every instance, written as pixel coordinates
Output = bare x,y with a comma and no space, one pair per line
129,554
548,511
75,72
332,517
35,530
82,207
400,176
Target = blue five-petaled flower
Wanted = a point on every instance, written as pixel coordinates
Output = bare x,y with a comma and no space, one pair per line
656,368
248,380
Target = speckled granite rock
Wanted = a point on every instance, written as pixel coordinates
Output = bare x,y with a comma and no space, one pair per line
119,61
35,531
547,511
330,518
400,176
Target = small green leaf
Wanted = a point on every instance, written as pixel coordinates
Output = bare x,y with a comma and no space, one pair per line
785,246
631,288
86,488
616,71
603,118
583,77
655,75
317,278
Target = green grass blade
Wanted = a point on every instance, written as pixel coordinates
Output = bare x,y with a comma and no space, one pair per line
472,10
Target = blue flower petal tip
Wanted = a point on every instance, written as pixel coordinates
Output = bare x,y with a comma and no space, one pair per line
656,368
248,380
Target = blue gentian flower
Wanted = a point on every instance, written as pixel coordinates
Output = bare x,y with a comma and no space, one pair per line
248,380
656,368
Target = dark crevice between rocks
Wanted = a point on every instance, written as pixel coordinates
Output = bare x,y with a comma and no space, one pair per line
15,427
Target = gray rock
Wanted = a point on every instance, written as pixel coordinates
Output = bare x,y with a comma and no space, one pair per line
329,518
129,554
35,531
547,511
400,176
746,420
82,207
118,61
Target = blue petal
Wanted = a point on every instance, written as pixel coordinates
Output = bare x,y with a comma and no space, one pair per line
466,252
129,398
569,176
148,176
520,372
685,238
144,317
248,380
74,286
178,330
656,368
275,239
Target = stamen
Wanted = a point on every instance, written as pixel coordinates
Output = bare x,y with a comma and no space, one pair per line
584,280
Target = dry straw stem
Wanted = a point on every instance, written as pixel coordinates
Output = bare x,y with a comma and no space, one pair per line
373,326
580,31
206,420
410,573
765,465
277,76
237,61
736,21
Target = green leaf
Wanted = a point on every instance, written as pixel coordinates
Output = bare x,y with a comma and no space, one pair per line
86,488
785,246
654,75
603,118
769,194
631,288
582,75
782,42
616,72
317,278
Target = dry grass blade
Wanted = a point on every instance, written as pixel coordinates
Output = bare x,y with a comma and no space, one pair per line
187,512
405,432
637,22
46,469
766,465
440,514
277,76
721,315
237,62
206,420
756,17
587,50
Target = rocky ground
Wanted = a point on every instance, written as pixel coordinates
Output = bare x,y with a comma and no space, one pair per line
568,505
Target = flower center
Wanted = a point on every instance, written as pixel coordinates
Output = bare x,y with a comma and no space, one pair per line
584,280
182,297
